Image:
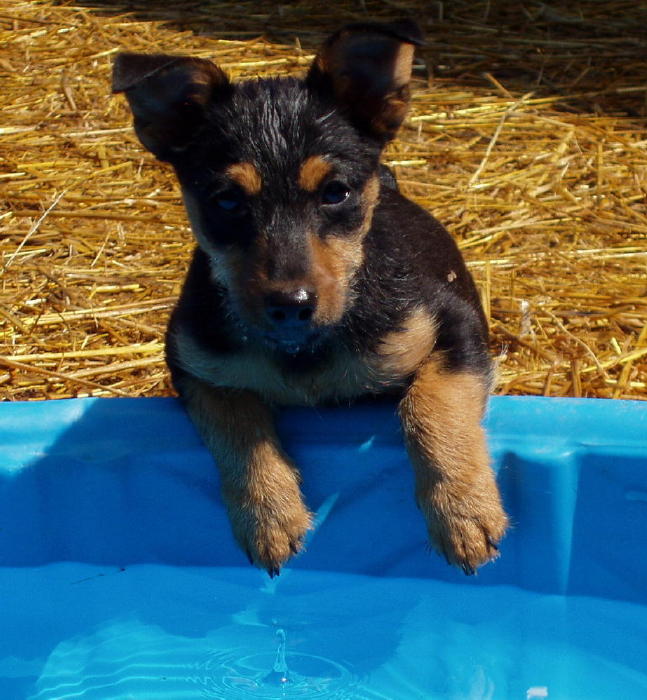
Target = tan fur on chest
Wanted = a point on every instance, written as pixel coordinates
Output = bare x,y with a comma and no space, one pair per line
345,375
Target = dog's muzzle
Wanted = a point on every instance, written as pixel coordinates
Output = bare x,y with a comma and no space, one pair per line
289,317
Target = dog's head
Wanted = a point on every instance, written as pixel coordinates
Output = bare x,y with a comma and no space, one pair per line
279,176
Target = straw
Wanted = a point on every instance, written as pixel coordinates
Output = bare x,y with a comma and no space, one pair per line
527,138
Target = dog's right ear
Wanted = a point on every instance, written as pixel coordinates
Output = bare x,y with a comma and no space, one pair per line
167,96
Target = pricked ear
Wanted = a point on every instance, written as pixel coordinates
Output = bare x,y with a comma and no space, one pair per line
167,95
366,69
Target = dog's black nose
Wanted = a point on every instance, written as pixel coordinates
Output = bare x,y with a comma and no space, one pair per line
290,309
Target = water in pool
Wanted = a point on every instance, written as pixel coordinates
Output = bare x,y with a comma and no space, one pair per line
151,631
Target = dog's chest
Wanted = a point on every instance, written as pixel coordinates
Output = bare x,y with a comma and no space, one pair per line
341,375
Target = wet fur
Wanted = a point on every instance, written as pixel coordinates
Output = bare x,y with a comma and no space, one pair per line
396,309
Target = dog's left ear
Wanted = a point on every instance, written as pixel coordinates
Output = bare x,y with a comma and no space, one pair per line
366,69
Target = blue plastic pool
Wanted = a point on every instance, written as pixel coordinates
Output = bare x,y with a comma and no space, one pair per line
119,577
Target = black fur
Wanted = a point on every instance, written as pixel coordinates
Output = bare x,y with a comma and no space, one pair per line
404,265
316,280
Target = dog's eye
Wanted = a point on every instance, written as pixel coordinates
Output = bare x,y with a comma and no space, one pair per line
229,201
335,192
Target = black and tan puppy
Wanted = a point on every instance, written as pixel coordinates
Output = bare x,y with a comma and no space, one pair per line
316,281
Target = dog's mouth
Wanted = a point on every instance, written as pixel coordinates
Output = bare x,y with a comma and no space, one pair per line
294,343
287,337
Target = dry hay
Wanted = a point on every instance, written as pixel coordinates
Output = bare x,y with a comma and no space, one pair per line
526,138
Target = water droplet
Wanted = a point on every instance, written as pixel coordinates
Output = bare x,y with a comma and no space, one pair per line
279,675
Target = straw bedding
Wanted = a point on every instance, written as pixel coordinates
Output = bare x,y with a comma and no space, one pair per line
526,137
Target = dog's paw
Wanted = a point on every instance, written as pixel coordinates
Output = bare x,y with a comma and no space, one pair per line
271,532
465,527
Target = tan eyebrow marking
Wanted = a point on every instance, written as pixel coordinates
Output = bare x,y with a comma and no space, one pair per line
247,176
313,170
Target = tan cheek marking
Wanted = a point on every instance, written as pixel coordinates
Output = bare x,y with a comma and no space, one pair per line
327,275
312,172
247,176
335,260
402,351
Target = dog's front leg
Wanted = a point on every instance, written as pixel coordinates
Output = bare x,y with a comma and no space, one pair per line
455,486
260,486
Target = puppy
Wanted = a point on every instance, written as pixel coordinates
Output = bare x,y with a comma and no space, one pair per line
315,281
